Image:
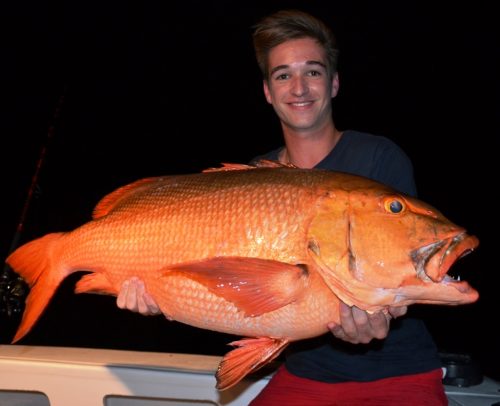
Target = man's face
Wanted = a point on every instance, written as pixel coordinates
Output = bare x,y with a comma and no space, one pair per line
298,86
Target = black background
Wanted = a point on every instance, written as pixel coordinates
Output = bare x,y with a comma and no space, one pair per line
151,88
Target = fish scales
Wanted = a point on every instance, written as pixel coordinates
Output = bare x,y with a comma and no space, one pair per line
222,223
266,252
210,311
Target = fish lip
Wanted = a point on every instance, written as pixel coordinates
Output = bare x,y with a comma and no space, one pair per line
433,261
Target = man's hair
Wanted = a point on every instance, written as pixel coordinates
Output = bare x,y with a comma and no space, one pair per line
287,25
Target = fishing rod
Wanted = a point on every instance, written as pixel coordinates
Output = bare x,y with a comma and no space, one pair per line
13,289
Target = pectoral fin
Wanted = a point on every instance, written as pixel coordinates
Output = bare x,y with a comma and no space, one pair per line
254,285
251,355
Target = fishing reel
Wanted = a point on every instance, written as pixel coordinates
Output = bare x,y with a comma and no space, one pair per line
13,292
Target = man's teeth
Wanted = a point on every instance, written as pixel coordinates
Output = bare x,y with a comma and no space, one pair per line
301,104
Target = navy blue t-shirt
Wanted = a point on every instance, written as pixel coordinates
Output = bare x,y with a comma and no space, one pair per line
408,348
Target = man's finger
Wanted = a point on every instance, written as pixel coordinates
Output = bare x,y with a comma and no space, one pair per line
122,295
133,294
151,304
398,311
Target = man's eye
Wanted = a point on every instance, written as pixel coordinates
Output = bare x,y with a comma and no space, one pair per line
282,76
314,73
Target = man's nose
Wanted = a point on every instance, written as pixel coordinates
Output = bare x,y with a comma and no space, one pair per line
299,86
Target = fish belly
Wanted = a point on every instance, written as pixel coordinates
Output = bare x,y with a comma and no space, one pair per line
190,302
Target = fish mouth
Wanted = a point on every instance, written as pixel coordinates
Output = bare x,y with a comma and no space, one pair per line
432,262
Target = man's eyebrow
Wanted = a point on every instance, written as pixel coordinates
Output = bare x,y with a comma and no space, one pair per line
316,63
280,67
277,68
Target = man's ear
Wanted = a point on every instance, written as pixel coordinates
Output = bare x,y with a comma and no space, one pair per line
267,92
335,84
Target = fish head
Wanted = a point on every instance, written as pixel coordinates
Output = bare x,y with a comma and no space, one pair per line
396,250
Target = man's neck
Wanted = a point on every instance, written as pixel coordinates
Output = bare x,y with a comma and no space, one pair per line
306,151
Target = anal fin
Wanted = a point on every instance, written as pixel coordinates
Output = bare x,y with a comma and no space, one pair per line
95,283
251,355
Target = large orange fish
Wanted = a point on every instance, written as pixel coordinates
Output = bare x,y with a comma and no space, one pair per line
262,252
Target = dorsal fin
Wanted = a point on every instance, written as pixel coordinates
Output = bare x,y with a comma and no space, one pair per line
262,163
268,163
108,202
229,167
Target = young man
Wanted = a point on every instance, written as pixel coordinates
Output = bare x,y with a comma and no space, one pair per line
298,58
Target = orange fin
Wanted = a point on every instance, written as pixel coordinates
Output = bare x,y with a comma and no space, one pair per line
112,200
251,355
254,285
267,163
262,163
229,167
95,283
33,261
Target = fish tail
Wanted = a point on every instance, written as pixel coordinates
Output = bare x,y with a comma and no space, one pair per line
34,261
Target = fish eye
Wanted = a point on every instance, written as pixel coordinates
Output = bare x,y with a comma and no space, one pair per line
394,205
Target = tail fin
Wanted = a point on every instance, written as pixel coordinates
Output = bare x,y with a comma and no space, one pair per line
34,262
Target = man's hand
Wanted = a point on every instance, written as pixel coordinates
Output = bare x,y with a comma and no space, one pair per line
133,296
357,326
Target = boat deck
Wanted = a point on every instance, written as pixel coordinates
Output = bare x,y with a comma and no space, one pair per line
61,376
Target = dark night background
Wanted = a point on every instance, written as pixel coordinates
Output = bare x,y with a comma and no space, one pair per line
152,88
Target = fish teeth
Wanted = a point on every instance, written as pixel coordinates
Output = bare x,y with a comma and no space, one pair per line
449,278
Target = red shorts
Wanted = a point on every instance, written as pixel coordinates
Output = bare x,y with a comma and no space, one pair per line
425,389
